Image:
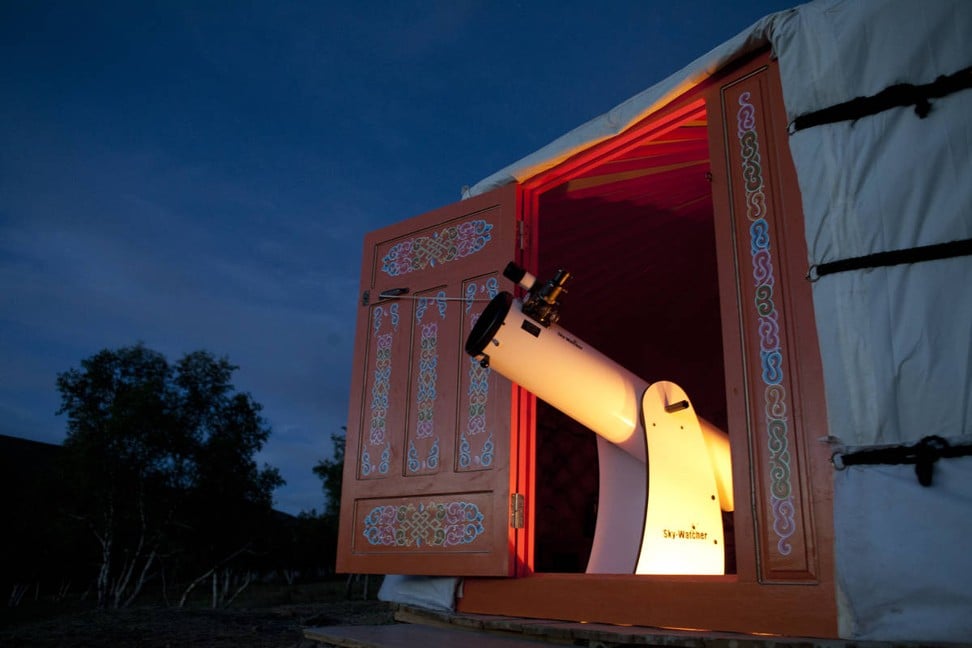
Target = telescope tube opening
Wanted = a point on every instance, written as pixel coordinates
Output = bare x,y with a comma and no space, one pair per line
487,326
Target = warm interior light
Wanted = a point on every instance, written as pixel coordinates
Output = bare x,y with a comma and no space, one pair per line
685,629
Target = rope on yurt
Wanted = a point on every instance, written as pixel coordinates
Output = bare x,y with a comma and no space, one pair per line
922,454
918,254
894,96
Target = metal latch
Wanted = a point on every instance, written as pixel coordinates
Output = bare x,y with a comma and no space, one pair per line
516,510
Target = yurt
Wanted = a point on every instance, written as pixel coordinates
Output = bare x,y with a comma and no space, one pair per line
748,286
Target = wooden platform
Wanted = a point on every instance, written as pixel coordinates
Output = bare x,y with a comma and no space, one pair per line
407,635
421,628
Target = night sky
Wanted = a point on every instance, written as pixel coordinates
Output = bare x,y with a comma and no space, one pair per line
201,174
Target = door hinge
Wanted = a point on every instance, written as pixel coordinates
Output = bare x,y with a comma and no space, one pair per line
516,510
365,297
522,234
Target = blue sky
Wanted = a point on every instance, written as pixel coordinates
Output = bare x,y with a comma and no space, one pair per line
201,174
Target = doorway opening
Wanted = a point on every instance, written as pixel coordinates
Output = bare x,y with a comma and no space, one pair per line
636,231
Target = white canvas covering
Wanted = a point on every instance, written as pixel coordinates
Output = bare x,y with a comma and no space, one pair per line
430,592
896,342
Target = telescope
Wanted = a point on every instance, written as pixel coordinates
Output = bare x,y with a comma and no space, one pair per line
664,473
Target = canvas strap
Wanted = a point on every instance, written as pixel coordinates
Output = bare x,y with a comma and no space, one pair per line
918,254
922,454
895,96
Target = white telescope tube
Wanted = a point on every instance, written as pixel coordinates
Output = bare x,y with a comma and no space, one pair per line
563,370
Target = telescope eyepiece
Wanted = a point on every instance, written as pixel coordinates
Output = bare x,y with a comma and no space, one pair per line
541,301
542,305
552,289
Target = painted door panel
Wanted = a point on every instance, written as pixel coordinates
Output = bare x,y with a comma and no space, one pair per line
778,339
427,468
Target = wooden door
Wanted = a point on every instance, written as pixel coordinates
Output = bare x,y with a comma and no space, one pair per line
427,467
790,513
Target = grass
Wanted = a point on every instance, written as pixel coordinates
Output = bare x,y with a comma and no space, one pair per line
257,595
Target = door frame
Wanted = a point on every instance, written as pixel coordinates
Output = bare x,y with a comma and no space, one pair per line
765,595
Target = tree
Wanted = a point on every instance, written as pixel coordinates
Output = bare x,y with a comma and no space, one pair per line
229,507
161,458
331,472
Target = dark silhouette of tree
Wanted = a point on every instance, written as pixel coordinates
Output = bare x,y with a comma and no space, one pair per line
325,527
331,472
160,459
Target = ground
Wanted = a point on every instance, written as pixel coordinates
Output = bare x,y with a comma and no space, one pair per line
157,626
